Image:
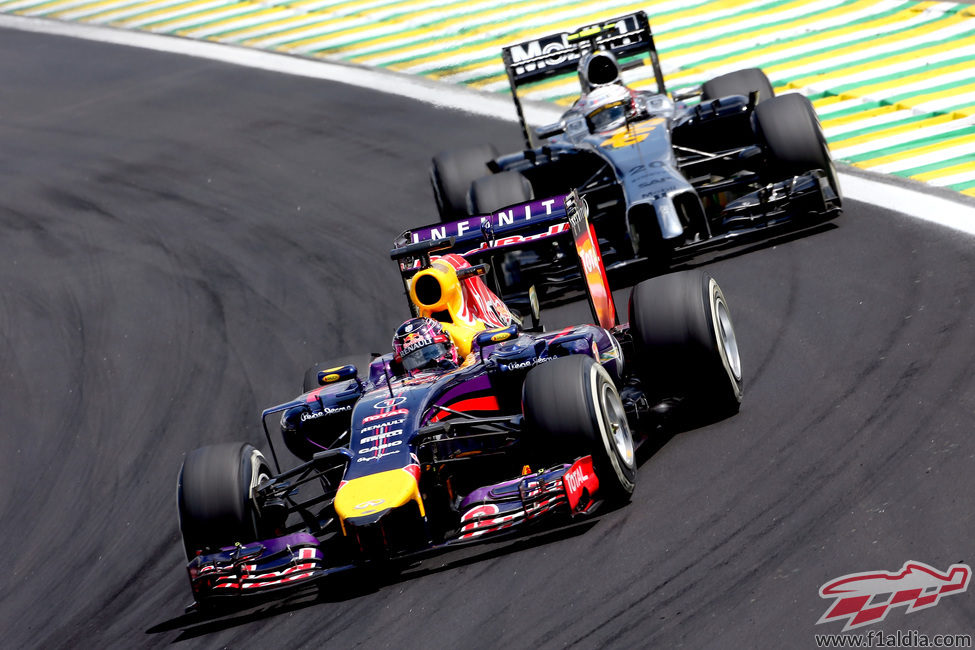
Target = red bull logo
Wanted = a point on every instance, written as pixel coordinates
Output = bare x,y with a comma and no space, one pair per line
867,598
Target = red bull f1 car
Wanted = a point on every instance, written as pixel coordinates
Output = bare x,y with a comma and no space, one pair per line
521,427
664,179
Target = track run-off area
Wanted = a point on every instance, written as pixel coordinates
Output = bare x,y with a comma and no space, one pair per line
891,80
182,238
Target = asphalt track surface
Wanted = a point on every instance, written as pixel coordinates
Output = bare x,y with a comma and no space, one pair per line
181,238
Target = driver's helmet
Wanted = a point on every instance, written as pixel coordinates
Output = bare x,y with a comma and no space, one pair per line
598,68
422,343
607,107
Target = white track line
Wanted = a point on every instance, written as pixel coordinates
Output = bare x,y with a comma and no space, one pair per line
956,214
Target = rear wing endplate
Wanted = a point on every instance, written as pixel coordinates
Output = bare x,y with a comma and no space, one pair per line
591,262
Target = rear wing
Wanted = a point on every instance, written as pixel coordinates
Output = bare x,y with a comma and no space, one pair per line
520,226
512,226
541,58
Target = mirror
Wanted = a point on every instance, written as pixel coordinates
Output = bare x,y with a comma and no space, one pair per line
550,130
332,375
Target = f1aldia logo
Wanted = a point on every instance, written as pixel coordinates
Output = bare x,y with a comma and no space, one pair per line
866,598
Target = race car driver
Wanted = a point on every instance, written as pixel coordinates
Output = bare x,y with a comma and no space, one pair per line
421,344
605,102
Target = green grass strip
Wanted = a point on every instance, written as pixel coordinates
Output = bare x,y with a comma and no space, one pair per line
961,187
952,109
23,8
492,37
879,127
913,144
852,110
141,11
76,7
941,164
852,43
246,12
664,51
825,50
816,96
927,91
888,36
434,20
177,16
39,10
277,30
897,76
327,18
842,66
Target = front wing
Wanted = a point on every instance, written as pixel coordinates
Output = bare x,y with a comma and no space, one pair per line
260,567
287,562
801,201
499,508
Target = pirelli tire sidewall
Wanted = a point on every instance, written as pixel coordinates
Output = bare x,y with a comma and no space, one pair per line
618,458
725,341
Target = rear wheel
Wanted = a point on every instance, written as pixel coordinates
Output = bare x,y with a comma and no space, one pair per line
215,496
739,82
685,342
572,408
734,130
491,193
793,140
451,175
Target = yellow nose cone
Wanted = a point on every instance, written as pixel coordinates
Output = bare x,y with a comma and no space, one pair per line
370,494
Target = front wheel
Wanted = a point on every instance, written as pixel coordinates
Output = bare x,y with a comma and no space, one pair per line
685,342
572,408
793,140
215,496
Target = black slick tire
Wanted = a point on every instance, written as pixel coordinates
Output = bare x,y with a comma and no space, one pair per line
685,342
215,496
490,193
451,175
739,82
572,409
793,140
